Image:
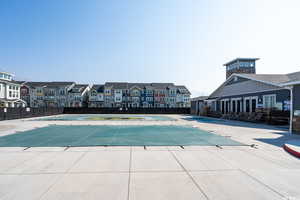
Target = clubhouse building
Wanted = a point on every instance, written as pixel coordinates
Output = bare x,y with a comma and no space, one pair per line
244,91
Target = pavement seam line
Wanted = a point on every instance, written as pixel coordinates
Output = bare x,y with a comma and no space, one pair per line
271,160
260,182
60,177
189,175
129,174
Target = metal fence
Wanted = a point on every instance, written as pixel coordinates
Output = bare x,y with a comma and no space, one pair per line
127,110
19,113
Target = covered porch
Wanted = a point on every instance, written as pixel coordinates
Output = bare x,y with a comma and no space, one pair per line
16,103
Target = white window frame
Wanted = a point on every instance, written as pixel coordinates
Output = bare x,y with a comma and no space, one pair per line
269,95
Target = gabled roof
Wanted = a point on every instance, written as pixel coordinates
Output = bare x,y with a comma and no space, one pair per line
126,85
34,84
79,88
162,85
294,78
21,82
274,80
59,84
182,87
117,85
99,88
136,85
240,59
200,98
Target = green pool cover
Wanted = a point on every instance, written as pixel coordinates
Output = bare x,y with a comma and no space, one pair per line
88,135
106,117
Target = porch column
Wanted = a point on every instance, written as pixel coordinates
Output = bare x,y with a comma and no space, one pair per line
291,109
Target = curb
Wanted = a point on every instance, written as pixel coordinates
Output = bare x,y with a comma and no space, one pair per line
291,151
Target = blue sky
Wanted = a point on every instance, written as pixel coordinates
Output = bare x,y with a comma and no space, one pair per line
186,42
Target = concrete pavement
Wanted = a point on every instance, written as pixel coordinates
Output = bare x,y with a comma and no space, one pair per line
175,173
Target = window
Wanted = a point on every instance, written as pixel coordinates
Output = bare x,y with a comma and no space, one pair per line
233,106
269,101
253,105
247,105
223,107
238,106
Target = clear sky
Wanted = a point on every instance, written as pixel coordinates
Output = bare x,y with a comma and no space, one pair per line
181,41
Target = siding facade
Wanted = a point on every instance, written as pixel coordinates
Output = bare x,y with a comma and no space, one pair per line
238,94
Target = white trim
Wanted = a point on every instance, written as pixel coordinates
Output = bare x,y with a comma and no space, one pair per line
242,94
238,98
290,83
87,89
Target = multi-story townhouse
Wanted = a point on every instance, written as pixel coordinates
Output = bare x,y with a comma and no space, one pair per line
147,98
78,95
96,96
10,91
183,97
56,93
120,94
33,93
161,94
108,95
135,93
25,93
115,94
172,93
46,94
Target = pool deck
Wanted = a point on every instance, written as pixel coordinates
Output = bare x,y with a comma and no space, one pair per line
264,171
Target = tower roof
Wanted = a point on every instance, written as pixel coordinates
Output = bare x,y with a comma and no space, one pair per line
240,59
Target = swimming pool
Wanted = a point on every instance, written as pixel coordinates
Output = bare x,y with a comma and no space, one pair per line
202,119
102,135
105,117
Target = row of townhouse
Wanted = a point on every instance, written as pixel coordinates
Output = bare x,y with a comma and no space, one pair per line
111,94
132,95
54,94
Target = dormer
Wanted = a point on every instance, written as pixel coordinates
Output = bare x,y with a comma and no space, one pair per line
5,76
